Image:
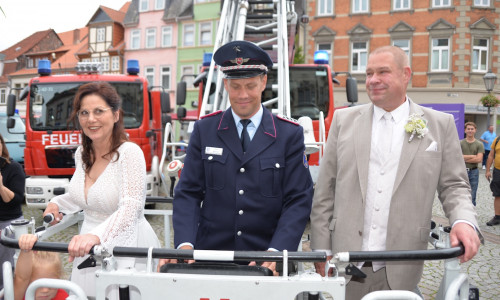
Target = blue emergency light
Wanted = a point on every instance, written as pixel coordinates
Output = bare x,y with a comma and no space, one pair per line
207,59
44,67
132,66
321,57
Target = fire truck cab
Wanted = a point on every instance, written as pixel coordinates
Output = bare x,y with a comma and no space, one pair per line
51,141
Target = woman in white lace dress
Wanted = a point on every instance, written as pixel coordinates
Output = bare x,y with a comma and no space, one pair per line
109,185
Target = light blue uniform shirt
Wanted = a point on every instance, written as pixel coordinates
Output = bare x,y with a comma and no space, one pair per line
252,126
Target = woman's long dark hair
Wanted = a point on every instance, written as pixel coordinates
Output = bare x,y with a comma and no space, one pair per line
5,151
108,93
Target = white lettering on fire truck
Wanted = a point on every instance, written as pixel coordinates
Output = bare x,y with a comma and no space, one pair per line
62,139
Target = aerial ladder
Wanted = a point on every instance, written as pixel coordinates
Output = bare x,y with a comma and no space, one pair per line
271,24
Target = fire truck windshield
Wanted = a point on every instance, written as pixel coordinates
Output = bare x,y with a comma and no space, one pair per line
309,90
51,104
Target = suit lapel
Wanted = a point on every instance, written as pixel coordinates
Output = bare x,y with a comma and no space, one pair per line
264,136
229,134
409,149
362,140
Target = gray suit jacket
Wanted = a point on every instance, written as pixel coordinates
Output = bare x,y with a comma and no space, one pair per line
340,193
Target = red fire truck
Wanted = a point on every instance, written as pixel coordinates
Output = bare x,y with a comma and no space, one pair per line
51,141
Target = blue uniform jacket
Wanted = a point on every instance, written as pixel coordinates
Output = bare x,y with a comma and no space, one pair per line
227,200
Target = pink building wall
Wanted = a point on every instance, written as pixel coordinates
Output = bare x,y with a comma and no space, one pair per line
156,57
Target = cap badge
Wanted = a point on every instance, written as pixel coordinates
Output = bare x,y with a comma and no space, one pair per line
239,60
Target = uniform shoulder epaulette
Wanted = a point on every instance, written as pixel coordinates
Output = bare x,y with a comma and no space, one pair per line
212,114
288,119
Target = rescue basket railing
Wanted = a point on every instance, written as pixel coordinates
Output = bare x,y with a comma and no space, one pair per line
176,285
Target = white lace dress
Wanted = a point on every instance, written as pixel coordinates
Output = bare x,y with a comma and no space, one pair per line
113,210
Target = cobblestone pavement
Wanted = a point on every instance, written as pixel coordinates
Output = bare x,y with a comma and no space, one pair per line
483,270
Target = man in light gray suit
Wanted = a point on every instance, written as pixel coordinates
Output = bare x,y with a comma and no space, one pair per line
382,166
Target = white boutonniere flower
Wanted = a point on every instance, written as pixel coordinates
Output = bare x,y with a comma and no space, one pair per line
416,126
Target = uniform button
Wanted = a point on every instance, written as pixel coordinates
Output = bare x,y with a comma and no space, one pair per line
374,226
242,170
241,192
379,190
277,165
240,212
382,172
210,157
360,233
377,208
238,233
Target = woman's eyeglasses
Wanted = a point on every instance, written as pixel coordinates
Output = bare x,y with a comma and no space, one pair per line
97,112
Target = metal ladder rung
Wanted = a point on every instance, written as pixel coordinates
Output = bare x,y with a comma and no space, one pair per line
252,2
259,32
263,11
267,47
260,17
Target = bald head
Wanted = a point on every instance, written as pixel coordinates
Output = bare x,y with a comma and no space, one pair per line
400,57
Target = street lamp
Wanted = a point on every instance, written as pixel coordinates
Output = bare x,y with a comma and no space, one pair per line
489,82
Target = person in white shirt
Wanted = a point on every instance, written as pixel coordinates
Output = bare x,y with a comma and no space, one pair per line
378,177
109,185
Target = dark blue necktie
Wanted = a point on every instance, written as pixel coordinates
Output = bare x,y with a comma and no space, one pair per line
245,137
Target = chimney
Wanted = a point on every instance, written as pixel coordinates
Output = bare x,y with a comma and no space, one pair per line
76,36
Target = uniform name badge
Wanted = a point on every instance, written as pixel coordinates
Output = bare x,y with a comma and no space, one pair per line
213,150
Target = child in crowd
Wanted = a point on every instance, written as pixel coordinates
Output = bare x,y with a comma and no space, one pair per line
33,265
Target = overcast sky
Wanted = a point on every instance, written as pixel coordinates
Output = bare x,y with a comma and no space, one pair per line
21,18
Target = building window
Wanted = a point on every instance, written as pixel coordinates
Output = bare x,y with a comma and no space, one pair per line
30,62
359,56
186,73
143,5
166,36
206,33
440,54
441,3
483,3
115,63
101,34
150,38
188,35
404,44
326,47
480,55
159,4
135,39
95,59
69,108
149,73
401,4
360,6
86,60
3,97
165,77
59,110
325,7
105,63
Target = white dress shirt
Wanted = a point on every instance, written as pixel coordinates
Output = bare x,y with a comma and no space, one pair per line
381,177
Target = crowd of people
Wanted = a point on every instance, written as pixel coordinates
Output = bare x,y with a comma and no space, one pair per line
246,183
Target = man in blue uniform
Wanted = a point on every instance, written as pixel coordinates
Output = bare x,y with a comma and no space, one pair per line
229,198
